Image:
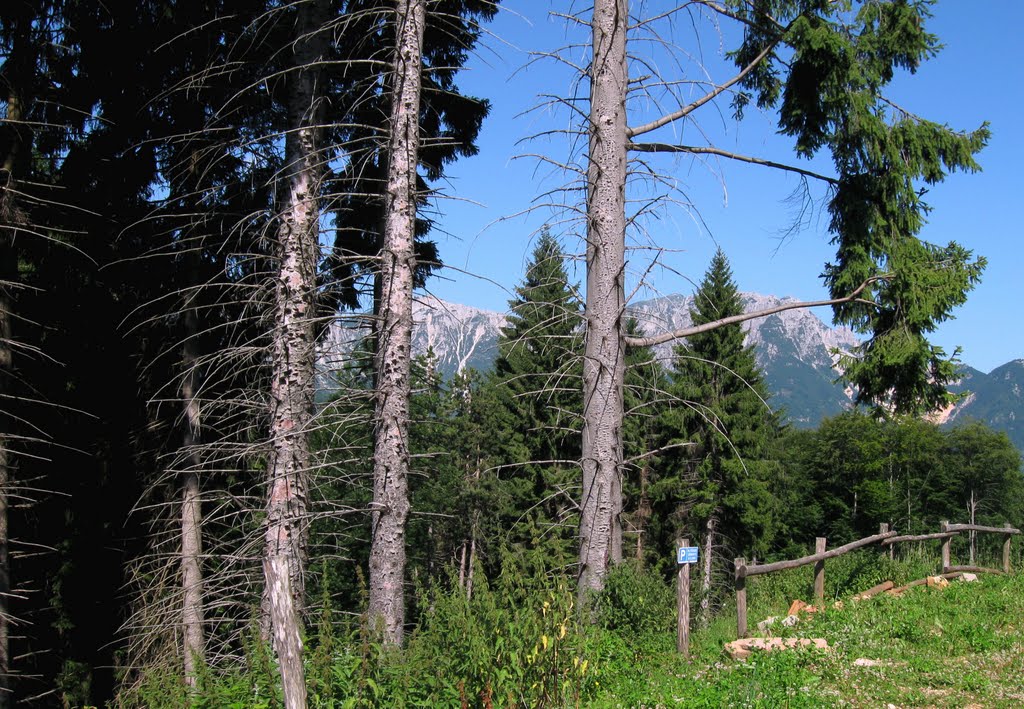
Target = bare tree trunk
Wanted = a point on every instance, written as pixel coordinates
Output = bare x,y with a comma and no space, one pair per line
472,562
394,342
471,542
11,219
705,581
293,359
972,508
193,640
6,362
643,513
462,563
604,356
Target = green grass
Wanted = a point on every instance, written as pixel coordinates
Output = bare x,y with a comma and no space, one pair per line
952,647
523,643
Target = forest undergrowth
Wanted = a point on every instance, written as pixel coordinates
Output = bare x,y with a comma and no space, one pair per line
520,642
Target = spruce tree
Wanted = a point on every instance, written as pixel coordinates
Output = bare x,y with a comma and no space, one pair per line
644,399
720,407
469,489
538,372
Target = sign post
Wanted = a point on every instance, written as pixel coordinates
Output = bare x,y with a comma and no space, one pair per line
685,555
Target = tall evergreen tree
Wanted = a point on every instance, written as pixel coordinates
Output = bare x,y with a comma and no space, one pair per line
479,423
720,406
644,399
538,370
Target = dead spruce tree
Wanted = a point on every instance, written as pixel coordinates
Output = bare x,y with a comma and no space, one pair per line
293,358
604,357
823,67
394,329
428,124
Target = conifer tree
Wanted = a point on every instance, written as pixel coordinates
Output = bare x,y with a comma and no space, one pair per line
720,405
644,398
538,372
476,409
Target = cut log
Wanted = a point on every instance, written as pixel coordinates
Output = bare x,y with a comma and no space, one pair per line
922,582
742,649
796,606
975,569
874,591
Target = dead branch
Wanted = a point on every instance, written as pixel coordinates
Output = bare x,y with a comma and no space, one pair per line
715,324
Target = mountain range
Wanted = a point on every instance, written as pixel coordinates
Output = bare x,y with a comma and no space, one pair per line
794,349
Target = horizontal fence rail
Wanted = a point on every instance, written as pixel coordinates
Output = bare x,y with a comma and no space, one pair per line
818,556
980,528
918,537
884,538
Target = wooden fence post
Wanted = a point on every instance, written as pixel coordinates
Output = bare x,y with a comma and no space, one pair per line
882,529
944,527
819,572
1006,549
741,597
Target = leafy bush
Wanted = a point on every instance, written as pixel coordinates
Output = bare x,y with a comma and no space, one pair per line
636,602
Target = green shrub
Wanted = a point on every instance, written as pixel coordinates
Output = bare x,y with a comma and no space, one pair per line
636,602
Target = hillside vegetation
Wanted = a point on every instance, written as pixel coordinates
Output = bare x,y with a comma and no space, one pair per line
519,643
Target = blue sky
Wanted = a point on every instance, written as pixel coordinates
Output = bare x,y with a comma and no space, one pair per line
485,238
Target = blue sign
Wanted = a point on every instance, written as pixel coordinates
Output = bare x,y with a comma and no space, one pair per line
686,555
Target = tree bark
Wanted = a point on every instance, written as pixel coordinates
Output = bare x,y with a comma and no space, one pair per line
705,581
472,565
293,359
462,563
17,67
6,363
972,507
604,356
193,638
394,341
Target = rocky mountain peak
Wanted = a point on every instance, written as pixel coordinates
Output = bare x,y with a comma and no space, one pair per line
795,349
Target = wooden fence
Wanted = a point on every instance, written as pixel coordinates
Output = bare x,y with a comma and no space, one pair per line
884,538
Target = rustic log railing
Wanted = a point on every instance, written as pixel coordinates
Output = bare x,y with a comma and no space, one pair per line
1005,530
884,538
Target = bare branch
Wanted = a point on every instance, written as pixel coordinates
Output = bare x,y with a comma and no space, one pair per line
709,150
710,96
715,324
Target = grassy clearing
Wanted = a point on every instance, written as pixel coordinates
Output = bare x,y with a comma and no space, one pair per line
953,647
521,642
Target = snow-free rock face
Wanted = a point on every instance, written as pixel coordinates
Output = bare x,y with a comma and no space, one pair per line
997,398
794,348
460,336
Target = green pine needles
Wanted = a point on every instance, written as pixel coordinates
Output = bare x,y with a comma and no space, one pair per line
826,72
